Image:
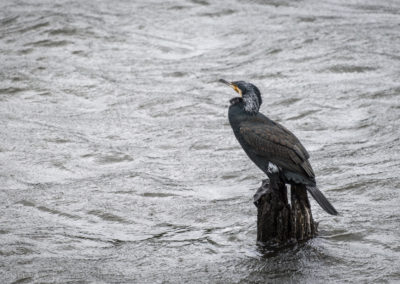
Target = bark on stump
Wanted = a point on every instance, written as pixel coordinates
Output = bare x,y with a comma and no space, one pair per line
279,222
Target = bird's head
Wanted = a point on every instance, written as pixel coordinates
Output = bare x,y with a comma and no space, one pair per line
249,94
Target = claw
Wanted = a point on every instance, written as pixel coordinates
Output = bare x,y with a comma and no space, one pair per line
260,192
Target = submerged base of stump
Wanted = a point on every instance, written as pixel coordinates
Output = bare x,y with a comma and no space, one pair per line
279,222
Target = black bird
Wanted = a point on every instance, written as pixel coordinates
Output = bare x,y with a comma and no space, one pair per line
270,145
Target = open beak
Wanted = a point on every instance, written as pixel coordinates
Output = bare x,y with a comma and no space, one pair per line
232,85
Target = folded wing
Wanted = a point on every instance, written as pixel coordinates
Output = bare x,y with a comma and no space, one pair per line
278,145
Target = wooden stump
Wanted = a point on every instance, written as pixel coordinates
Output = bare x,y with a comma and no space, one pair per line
279,222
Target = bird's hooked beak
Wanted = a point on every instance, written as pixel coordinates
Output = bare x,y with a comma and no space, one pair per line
232,85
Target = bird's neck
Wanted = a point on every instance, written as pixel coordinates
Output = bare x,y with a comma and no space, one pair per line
250,107
237,114
251,104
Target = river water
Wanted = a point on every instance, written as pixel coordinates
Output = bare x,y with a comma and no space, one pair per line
118,164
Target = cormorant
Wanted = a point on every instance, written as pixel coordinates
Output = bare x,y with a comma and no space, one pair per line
271,146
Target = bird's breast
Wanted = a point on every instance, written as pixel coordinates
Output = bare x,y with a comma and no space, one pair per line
236,115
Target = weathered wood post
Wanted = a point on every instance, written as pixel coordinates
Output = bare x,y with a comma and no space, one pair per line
279,222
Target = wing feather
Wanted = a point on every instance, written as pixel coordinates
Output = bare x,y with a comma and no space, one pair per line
277,144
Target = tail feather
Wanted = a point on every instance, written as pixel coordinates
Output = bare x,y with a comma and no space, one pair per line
321,199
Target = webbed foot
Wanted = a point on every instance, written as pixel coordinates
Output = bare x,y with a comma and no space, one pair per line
260,192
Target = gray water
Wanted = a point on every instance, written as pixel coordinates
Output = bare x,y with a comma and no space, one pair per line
117,162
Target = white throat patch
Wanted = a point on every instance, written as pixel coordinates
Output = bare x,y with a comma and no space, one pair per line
251,103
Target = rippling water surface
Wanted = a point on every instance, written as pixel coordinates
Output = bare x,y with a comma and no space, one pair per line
117,162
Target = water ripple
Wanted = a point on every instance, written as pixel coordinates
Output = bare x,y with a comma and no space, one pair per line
118,164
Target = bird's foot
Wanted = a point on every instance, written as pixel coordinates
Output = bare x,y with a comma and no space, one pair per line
265,182
260,192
